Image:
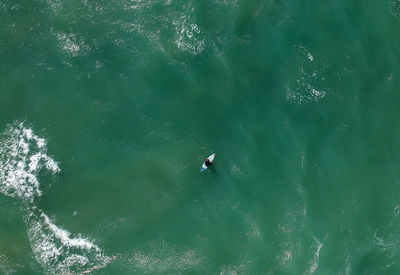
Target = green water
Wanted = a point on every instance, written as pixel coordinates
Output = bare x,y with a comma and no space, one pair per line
298,99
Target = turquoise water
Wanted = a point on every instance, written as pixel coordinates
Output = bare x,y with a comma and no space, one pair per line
107,109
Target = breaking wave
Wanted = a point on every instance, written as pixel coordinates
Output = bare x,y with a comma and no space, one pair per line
22,156
58,252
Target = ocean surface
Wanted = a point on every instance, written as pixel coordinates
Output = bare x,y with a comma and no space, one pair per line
108,107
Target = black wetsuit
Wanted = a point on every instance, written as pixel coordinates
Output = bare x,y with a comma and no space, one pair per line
207,162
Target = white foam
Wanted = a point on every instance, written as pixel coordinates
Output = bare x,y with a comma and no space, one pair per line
347,265
242,268
290,228
63,235
40,142
72,44
304,93
309,56
6,267
288,249
315,259
55,5
23,155
317,94
394,6
189,37
27,133
305,87
396,210
254,230
68,43
58,252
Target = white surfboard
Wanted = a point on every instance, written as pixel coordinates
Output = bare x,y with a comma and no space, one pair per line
204,167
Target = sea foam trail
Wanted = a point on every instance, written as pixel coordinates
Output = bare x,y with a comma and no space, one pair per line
22,156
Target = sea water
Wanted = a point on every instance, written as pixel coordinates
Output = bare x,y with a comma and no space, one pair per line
107,109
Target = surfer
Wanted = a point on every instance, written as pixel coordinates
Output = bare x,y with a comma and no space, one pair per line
207,162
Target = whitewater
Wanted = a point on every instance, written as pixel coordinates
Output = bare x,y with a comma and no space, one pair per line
23,155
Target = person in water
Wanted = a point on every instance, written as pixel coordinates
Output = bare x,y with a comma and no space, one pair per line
207,162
